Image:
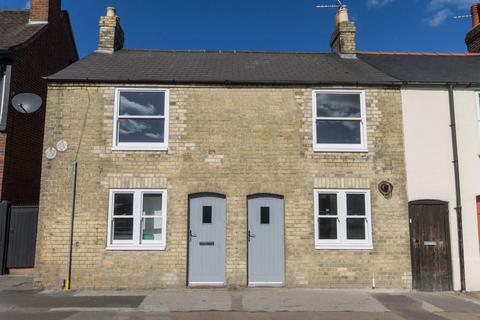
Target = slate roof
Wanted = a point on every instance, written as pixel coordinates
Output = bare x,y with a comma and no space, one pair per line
427,67
14,28
220,67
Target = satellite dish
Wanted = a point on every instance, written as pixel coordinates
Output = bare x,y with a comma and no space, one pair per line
26,102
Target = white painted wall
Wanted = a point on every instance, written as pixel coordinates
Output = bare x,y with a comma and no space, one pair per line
430,173
468,133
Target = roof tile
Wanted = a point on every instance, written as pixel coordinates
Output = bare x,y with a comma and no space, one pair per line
14,28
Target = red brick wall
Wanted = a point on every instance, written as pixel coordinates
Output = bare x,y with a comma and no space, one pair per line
51,51
40,10
473,40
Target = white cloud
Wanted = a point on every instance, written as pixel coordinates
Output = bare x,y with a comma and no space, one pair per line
378,3
441,10
27,4
138,108
130,126
155,136
459,4
439,17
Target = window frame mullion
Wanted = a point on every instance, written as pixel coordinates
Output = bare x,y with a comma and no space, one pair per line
137,208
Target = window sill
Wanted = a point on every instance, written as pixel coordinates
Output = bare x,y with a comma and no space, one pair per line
338,150
139,148
136,248
338,246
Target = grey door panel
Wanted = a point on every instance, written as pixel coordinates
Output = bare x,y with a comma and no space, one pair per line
266,253
207,240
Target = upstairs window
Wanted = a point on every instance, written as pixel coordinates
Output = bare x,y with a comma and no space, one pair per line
141,119
342,219
339,121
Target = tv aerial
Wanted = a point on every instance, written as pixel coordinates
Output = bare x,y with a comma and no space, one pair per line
465,16
26,102
336,6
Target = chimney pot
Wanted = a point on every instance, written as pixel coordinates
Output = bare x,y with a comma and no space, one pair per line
343,14
111,12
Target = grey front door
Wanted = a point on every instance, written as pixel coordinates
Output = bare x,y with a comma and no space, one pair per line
266,256
207,240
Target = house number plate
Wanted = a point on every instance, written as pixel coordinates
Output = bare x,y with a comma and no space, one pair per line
430,243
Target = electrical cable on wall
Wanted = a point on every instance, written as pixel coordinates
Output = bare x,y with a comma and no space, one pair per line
68,281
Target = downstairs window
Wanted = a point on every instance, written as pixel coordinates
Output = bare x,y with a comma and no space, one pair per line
137,219
342,219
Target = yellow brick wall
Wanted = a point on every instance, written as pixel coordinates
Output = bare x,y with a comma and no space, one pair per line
235,141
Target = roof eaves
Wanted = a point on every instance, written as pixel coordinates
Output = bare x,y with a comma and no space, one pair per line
226,82
439,54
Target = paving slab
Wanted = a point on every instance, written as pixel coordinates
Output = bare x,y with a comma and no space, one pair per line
453,302
310,300
34,300
261,300
8,282
460,316
406,306
187,300
205,316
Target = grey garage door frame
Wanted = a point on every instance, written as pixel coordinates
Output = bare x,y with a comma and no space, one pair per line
272,201
213,241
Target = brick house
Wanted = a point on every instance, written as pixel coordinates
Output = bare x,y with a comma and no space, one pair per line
224,168
33,44
260,168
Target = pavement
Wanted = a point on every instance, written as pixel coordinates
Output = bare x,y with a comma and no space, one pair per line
19,300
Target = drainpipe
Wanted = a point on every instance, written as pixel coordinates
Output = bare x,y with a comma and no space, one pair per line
458,205
72,222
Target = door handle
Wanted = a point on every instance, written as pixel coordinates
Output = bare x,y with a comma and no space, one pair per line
250,235
191,235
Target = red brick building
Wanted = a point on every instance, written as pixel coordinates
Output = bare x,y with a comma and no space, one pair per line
33,44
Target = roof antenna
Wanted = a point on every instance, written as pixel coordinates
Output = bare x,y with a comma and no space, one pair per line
465,16
336,6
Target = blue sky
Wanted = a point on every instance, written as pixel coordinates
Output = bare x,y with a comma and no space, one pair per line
280,25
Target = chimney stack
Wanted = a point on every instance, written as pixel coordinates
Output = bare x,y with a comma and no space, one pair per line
111,37
473,36
43,11
343,38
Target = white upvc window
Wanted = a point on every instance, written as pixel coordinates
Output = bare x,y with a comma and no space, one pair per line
339,121
137,219
342,219
141,119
